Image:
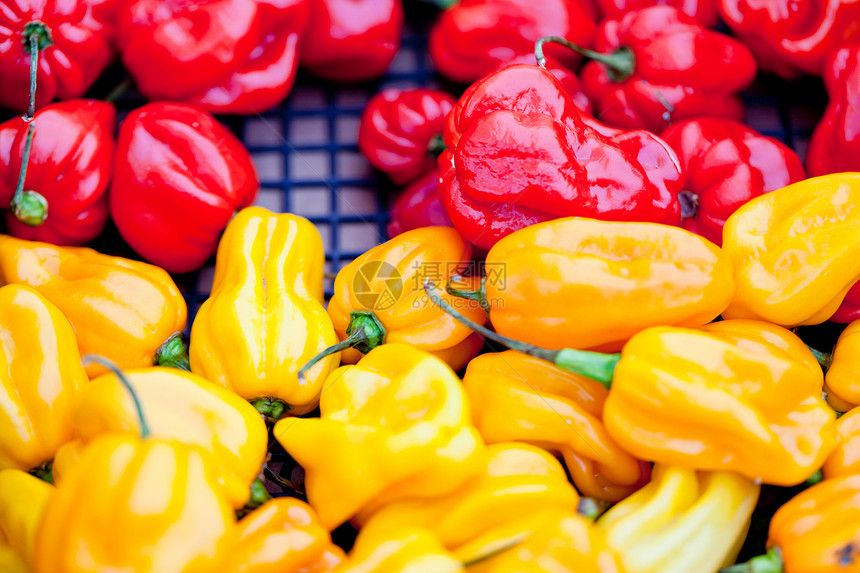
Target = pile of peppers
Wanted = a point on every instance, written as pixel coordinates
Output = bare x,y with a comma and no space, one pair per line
611,329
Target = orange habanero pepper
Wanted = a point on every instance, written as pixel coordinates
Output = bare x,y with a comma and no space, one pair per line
842,381
845,459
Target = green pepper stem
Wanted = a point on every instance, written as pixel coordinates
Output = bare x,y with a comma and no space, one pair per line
88,359
44,472
344,344
119,90
591,508
620,64
364,333
824,358
770,562
496,548
271,408
479,295
436,145
595,365
173,353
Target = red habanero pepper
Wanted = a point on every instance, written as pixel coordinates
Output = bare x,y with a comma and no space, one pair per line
75,40
727,164
226,56
849,310
401,131
418,206
704,11
70,165
792,37
474,37
658,65
351,40
520,152
179,176
562,73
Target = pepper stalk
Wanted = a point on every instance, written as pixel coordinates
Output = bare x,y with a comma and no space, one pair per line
620,64
89,359
364,333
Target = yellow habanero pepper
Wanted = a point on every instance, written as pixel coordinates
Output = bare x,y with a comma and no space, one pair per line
845,459
265,316
119,308
180,406
23,500
582,283
516,479
794,250
132,505
404,550
379,298
40,372
817,531
516,397
394,426
682,521
283,536
842,382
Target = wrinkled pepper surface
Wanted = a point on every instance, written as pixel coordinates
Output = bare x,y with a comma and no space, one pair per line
727,164
564,74
70,165
179,177
401,131
403,550
179,406
791,38
682,521
265,317
842,381
226,56
381,292
584,283
520,153
518,397
704,11
394,426
474,37
418,206
119,308
793,251
40,373
145,506
845,459
23,501
659,65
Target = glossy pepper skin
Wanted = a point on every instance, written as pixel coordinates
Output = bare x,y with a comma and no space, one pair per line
71,162
519,153
265,317
404,550
143,506
842,381
589,284
727,164
179,177
704,11
225,56
418,206
40,374
82,34
721,400
119,308
793,251
363,453
388,280
792,38
680,70
474,37
23,501
682,521
520,398
179,406
514,480
400,131
351,40
845,459
562,73
283,535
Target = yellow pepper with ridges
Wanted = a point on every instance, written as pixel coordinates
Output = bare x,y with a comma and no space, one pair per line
122,309
178,405
842,381
40,372
394,426
515,479
401,550
23,500
682,521
265,317
845,459
516,397
794,250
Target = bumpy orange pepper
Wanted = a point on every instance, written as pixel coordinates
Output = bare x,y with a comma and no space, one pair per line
518,397
119,308
842,381
265,317
40,372
794,251
582,283
379,297
23,500
845,459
